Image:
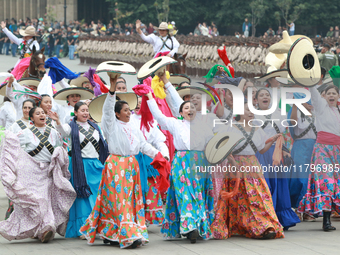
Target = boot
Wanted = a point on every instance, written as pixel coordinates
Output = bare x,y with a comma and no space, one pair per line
193,235
327,222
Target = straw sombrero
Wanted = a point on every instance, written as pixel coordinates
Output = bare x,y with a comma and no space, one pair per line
176,79
83,92
221,145
163,26
303,64
3,90
274,61
115,68
96,105
79,81
284,45
156,65
29,82
190,90
272,72
29,31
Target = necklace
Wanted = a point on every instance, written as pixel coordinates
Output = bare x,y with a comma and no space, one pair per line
335,113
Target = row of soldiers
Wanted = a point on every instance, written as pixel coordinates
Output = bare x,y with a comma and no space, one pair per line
247,55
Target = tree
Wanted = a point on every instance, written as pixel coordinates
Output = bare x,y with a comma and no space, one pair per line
162,10
277,16
258,9
286,5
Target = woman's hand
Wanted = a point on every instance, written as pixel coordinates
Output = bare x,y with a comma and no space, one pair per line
162,77
149,95
3,24
138,23
54,116
10,81
286,154
113,82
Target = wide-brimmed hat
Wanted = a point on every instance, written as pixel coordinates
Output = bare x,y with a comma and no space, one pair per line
177,79
191,90
96,105
29,82
79,81
221,145
156,65
29,31
83,92
274,63
303,63
163,26
115,68
284,45
273,72
3,90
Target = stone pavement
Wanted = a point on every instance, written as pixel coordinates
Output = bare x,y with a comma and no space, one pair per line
305,238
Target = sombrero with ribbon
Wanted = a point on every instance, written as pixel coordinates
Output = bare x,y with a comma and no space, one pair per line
3,90
286,43
192,90
177,79
221,145
274,63
28,31
96,105
78,82
29,82
115,68
156,65
83,92
303,64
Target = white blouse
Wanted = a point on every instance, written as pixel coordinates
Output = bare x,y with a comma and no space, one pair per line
327,118
157,43
259,139
7,115
182,130
155,136
15,128
302,126
29,142
269,129
123,138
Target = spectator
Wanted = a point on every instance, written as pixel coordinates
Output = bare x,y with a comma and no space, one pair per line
150,29
237,34
246,27
197,31
58,43
2,40
337,53
110,30
270,32
21,23
71,44
215,32
291,26
210,30
336,32
330,33
56,25
327,59
279,32
203,28
13,28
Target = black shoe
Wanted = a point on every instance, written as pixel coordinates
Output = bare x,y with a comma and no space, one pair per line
193,235
327,226
136,243
110,242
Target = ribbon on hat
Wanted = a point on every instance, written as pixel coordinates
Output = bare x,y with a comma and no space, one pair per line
147,118
158,86
212,72
96,87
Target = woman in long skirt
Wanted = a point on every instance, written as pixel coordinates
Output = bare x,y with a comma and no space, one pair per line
88,151
36,180
118,215
323,193
189,203
277,181
249,210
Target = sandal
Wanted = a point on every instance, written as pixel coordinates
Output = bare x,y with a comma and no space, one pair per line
308,218
268,234
46,236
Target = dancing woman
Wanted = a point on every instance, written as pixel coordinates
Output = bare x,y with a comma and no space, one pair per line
118,215
24,122
277,181
88,151
323,193
250,211
36,180
189,203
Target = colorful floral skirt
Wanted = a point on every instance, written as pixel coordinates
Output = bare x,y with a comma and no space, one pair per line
250,212
189,202
302,155
82,207
153,204
218,179
278,185
118,214
323,192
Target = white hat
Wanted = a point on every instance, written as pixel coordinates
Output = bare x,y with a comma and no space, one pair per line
79,81
303,63
284,45
163,26
173,23
221,145
115,68
96,105
156,65
176,79
29,31
3,90
83,92
29,82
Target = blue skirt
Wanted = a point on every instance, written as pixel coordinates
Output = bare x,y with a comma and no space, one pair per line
82,207
189,202
302,154
279,189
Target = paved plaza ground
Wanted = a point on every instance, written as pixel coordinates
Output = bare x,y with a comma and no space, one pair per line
305,238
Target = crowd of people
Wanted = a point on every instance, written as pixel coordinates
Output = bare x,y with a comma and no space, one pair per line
83,169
